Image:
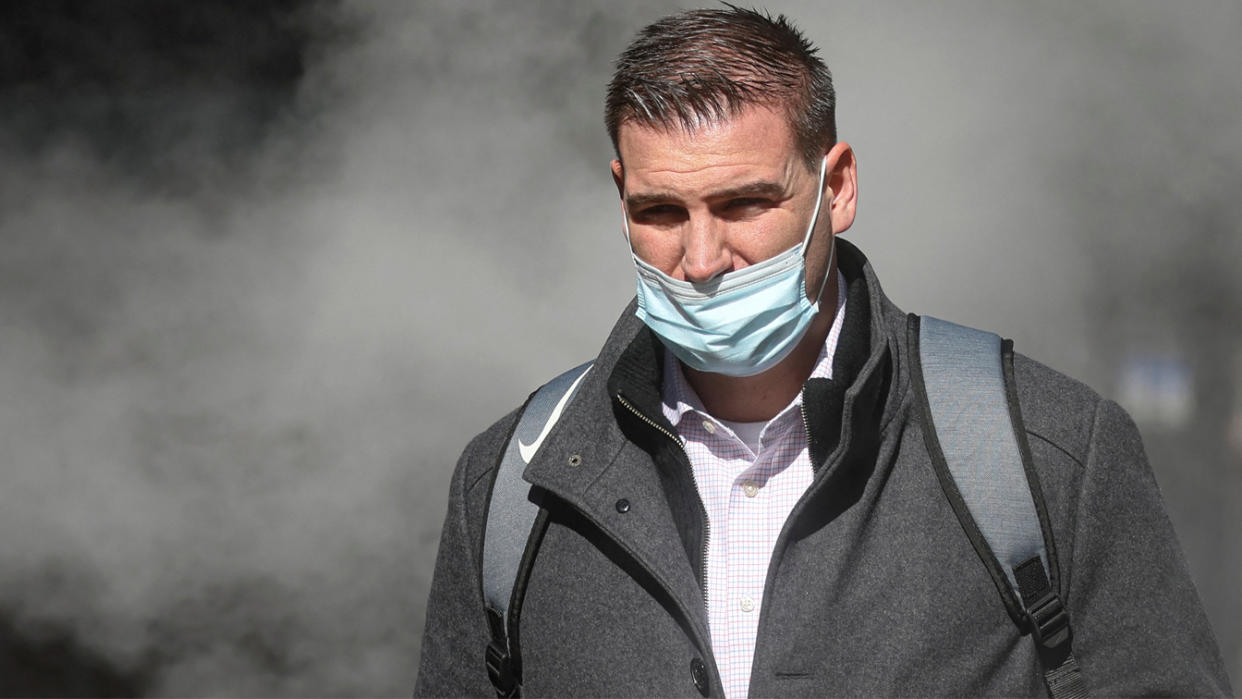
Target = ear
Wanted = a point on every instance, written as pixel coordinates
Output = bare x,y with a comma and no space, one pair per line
618,177
842,181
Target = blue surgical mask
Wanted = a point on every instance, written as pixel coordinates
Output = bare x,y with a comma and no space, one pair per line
741,323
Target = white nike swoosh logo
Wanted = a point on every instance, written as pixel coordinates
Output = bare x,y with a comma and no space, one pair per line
527,451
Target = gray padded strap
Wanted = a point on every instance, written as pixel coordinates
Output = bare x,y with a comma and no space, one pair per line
511,514
964,380
966,393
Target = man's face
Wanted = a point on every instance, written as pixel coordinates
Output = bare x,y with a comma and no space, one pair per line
728,195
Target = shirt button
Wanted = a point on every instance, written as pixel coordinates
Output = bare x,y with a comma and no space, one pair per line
750,489
709,426
747,604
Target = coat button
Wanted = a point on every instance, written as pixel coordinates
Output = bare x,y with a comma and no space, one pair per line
698,673
623,506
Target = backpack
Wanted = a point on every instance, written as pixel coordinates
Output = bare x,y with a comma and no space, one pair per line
963,384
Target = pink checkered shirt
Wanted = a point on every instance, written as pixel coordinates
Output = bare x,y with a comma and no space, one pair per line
748,497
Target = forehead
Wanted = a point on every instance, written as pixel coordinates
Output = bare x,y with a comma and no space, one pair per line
757,141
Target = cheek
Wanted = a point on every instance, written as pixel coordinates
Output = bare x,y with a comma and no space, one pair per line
661,250
754,242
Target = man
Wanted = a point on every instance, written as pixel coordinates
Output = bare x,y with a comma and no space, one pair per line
739,498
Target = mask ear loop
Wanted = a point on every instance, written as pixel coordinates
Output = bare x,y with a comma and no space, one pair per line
832,256
819,199
625,228
806,242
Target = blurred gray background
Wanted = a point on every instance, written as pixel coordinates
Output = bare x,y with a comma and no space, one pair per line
266,267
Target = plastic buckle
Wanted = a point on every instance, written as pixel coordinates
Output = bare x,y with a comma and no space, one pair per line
500,670
1049,620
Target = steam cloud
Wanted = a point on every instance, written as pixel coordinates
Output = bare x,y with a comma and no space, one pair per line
267,267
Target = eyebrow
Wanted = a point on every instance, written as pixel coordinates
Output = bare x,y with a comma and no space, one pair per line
634,202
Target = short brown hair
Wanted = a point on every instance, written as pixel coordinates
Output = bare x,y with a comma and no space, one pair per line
706,65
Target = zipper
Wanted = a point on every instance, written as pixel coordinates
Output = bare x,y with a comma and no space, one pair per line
806,424
707,523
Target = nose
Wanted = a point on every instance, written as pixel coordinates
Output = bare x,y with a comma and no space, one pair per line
705,254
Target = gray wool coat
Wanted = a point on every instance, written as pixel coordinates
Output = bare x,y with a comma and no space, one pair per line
873,588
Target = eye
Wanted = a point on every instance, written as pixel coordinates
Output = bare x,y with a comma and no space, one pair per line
660,215
744,207
743,202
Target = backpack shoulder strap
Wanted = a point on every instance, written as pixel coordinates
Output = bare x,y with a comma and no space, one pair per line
963,379
514,526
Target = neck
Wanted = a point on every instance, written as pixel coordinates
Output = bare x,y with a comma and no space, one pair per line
760,397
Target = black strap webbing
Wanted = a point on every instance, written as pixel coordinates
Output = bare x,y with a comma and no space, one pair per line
1050,627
